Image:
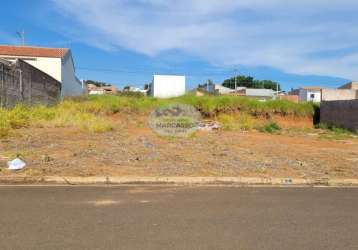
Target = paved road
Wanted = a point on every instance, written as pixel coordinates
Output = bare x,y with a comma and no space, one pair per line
144,217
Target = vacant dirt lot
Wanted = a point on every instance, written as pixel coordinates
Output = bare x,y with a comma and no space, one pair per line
132,149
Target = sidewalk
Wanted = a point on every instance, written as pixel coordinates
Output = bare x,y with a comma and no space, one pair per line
241,181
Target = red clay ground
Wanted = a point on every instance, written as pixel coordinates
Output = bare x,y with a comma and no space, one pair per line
132,149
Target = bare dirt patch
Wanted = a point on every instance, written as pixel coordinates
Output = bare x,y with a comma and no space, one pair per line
132,149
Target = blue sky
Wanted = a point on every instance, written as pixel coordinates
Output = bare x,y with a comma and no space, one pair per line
125,42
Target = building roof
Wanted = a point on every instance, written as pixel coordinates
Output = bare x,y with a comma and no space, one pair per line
10,50
313,88
350,85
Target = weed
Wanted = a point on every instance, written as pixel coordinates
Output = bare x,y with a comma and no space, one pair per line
335,133
245,122
89,113
227,122
270,127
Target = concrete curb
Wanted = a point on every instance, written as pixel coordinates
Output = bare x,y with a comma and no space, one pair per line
243,181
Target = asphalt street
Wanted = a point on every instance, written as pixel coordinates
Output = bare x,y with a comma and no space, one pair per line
169,217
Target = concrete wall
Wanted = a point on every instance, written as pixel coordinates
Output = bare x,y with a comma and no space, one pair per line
167,86
62,69
340,114
71,86
23,83
338,94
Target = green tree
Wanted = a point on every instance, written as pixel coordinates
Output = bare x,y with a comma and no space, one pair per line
204,85
97,83
250,82
242,81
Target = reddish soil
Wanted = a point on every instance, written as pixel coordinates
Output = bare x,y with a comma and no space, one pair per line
133,149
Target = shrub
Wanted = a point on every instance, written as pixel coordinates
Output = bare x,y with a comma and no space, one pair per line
131,94
270,127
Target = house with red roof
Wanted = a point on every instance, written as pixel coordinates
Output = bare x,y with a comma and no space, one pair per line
56,62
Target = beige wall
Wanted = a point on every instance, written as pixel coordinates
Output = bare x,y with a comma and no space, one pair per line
51,66
338,94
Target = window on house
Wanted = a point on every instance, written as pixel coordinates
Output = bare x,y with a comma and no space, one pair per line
312,96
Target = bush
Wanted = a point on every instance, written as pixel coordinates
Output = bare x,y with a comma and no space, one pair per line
270,127
131,94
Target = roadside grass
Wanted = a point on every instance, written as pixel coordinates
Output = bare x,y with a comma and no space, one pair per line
301,131
335,133
89,113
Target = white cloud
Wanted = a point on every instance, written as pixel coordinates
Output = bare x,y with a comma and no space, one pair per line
277,33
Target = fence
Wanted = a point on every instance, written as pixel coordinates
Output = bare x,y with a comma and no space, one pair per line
20,82
340,114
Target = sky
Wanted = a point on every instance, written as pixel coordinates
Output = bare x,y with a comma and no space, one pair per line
125,42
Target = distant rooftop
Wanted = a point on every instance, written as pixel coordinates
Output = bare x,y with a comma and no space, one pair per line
313,88
260,92
351,85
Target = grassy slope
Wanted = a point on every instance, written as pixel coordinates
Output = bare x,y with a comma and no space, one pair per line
208,105
89,113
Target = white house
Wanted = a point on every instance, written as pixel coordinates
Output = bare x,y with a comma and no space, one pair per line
56,62
167,86
135,89
308,94
217,89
